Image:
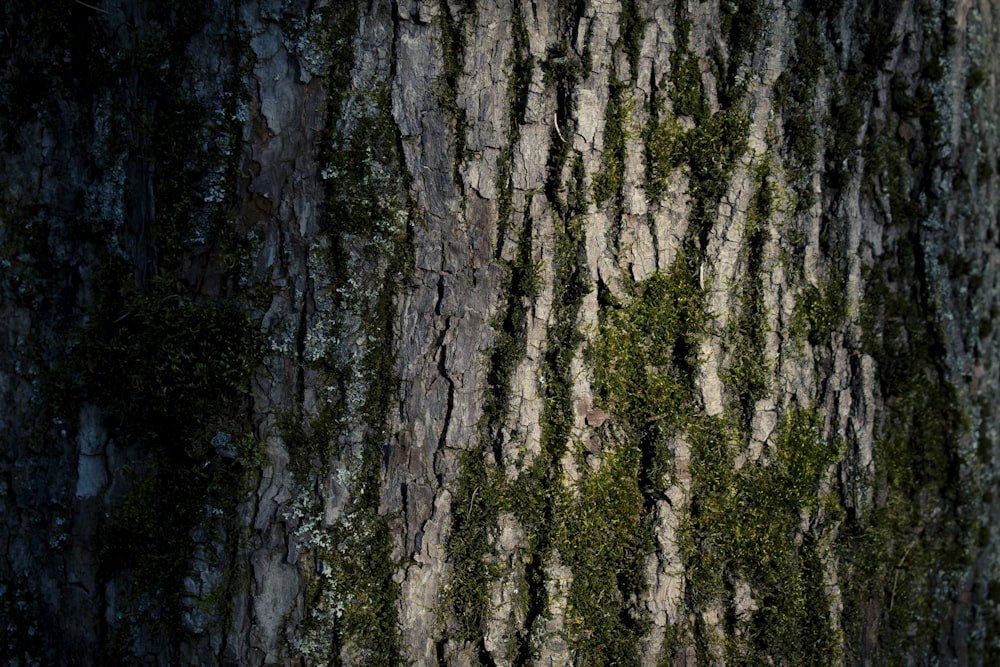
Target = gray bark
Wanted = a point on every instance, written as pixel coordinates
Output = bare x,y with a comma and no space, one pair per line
499,333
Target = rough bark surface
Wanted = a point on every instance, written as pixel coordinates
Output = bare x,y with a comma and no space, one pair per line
499,333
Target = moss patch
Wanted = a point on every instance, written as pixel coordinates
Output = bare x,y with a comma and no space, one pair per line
645,364
605,543
901,561
748,369
708,152
903,558
171,375
359,265
608,182
745,527
481,488
820,310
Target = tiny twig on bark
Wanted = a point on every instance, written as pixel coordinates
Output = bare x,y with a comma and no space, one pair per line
96,9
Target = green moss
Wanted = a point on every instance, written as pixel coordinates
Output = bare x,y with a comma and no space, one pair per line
901,560
609,180
645,363
54,50
645,359
335,29
522,284
353,599
542,482
171,375
359,268
686,91
149,537
155,360
520,65
745,526
904,556
975,79
20,635
482,491
561,68
743,29
168,367
24,252
711,150
843,143
474,524
190,149
663,139
748,370
571,284
605,542
533,498
630,26
794,94
363,172
452,28
846,119
708,152
820,311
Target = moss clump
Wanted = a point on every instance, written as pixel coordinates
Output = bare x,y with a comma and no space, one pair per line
645,360
745,526
541,482
481,489
608,182
686,91
605,541
743,29
359,265
482,492
664,139
901,560
476,506
24,252
820,310
160,362
904,554
571,285
521,285
51,50
520,66
794,94
352,597
645,363
363,172
453,46
708,152
631,25
170,374
846,115
748,370
189,148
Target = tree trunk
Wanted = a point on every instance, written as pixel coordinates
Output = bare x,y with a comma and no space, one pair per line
499,333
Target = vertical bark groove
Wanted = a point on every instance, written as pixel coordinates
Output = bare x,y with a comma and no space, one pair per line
499,332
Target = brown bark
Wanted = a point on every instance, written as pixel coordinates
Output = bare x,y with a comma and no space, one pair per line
499,333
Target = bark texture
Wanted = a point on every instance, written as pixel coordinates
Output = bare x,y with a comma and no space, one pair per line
499,332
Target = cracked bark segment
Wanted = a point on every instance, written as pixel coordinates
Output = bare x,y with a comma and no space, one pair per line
701,298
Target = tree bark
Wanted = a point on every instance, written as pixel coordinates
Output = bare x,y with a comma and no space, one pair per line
499,333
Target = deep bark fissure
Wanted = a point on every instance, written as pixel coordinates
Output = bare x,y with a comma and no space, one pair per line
593,334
